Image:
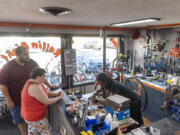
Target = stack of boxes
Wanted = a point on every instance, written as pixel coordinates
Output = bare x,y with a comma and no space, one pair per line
120,105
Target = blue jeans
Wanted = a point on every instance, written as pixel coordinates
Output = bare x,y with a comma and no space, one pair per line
16,115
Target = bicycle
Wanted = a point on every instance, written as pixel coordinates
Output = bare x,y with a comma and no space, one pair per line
137,86
119,67
4,112
55,75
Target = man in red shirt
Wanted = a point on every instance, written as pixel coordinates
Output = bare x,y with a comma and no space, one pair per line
13,76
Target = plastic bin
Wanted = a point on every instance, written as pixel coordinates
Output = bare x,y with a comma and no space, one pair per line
90,123
101,128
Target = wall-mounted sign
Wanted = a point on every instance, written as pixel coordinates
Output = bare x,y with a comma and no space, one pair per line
70,61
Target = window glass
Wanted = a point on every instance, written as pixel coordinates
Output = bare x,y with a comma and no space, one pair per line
89,57
44,50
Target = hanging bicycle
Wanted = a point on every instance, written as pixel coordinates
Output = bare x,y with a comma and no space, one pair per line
4,112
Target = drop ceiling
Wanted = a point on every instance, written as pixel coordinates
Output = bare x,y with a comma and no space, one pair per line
91,12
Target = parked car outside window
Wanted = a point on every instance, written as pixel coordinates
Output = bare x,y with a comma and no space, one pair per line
92,45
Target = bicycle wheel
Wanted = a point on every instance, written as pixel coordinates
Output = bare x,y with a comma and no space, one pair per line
87,73
55,76
4,111
136,85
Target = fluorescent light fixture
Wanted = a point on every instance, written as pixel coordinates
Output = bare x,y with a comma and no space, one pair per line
136,21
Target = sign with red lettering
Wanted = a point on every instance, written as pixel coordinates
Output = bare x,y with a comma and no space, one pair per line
35,45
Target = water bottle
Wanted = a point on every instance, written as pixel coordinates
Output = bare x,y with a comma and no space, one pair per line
114,121
114,116
97,117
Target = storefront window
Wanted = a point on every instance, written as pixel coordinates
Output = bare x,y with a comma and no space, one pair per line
44,50
89,57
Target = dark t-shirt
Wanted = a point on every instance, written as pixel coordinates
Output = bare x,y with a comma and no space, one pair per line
122,90
14,77
135,109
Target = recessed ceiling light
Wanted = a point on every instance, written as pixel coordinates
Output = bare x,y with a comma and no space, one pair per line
55,10
146,20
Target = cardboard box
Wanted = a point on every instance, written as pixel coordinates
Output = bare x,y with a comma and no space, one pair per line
118,103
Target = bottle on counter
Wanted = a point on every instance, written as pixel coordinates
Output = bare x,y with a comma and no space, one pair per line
114,122
175,80
97,117
132,72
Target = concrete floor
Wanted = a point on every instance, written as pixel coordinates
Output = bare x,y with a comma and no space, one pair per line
7,127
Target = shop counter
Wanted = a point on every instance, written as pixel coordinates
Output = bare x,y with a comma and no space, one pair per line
59,120
167,126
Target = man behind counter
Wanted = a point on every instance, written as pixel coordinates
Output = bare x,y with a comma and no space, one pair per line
109,86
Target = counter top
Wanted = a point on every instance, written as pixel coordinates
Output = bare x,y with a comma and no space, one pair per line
153,84
167,126
59,118
66,120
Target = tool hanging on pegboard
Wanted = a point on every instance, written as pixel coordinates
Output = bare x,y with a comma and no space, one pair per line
175,52
148,52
